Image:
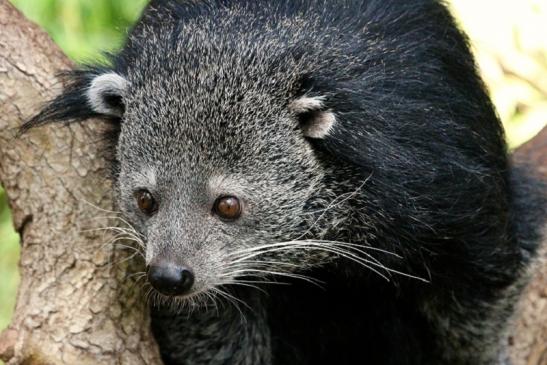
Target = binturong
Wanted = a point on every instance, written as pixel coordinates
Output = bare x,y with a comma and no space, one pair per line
346,148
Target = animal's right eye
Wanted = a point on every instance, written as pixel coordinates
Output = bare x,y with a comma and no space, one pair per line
227,208
146,202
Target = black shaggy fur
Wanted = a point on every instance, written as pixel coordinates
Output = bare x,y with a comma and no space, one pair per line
415,119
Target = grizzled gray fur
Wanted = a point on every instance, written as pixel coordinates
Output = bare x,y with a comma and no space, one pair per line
347,148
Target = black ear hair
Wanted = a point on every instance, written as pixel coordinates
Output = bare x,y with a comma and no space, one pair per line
87,93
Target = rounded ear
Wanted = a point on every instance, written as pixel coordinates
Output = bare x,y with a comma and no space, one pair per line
105,94
315,120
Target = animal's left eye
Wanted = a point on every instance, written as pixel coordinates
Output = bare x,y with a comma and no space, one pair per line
146,202
227,208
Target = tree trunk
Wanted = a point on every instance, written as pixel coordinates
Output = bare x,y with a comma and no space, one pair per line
528,344
76,304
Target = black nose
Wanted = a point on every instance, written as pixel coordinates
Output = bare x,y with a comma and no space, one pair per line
170,279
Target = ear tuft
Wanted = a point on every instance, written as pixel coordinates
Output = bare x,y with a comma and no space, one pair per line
105,94
315,121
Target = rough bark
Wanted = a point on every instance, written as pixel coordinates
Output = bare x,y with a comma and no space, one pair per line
529,342
75,304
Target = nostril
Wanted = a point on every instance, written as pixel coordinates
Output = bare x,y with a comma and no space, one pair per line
187,279
170,279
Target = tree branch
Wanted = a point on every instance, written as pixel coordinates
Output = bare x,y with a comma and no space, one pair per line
74,305
528,344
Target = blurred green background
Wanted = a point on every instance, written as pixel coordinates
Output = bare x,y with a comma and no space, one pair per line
508,38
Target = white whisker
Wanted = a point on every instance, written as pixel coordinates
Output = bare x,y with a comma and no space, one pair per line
334,204
347,250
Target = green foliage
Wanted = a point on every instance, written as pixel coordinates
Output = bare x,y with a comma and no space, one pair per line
83,28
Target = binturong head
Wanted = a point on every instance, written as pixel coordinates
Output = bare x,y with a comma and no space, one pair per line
214,167
210,172
256,139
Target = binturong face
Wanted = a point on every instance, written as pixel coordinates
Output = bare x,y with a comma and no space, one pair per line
211,189
221,183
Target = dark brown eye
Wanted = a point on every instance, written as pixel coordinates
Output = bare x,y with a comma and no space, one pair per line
227,208
146,202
